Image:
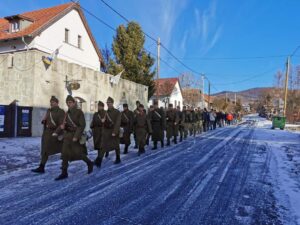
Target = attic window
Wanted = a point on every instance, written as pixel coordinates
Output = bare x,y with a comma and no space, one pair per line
15,26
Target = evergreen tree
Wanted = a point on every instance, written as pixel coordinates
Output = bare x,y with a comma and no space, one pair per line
130,56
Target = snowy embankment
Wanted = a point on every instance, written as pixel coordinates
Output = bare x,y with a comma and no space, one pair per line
284,147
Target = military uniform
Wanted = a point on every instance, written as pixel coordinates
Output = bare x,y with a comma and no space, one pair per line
111,126
72,149
172,120
50,144
158,123
142,127
181,124
127,117
97,128
185,124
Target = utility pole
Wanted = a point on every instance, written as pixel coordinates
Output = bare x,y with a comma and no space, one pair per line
226,97
158,68
208,94
286,85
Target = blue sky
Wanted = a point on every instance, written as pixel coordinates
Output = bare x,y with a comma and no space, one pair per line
214,37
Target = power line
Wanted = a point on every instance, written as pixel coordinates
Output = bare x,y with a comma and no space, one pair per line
232,58
153,39
247,79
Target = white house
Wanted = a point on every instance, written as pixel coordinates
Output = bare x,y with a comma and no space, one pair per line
53,52
60,30
168,90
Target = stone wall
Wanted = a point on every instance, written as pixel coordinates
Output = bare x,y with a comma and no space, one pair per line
32,84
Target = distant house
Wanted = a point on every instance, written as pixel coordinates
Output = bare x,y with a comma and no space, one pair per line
193,97
73,40
168,90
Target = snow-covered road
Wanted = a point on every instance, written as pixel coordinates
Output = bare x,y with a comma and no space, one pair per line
228,176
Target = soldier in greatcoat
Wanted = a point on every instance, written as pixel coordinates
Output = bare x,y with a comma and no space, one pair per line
185,123
97,128
74,146
127,117
143,128
111,129
158,123
51,143
180,123
172,120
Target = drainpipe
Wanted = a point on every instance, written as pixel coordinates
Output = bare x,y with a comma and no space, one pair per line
27,45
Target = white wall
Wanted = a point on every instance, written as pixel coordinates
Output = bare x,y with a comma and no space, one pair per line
175,96
12,46
54,37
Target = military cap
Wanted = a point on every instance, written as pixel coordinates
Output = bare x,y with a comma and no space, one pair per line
53,99
100,104
125,105
155,102
70,98
141,106
110,99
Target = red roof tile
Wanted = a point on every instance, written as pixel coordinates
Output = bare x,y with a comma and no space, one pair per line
165,86
41,20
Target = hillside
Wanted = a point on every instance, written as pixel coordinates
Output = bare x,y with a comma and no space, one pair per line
248,95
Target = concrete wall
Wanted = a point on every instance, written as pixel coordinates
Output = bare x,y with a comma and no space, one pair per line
32,84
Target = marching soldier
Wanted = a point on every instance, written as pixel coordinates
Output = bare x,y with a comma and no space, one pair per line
142,128
50,144
172,120
185,123
200,116
97,127
110,136
158,124
180,123
127,117
73,147
136,111
193,122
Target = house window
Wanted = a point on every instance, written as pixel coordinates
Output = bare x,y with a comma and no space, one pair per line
67,35
179,103
175,103
15,26
79,41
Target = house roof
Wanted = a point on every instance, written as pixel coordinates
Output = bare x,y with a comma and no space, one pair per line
165,86
42,19
193,91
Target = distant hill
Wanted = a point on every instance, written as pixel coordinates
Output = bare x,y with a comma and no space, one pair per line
248,95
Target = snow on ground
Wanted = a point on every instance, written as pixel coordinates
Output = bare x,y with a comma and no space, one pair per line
245,174
284,147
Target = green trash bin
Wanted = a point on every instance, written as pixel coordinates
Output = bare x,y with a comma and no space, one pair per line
278,122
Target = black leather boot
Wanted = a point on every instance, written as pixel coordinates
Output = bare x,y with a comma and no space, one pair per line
126,149
154,145
98,162
90,167
118,160
168,142
62,176
106,154
162,144
40,169
175,140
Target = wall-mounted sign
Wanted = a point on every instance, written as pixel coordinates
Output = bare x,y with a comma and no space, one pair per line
2,118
